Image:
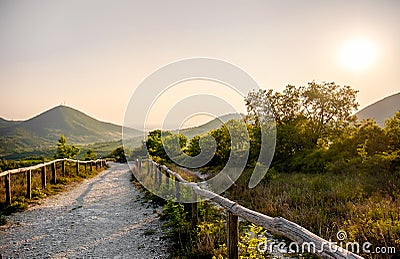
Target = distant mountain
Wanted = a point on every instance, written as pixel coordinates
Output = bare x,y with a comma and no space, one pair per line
381,110
212,124
6,123
44,130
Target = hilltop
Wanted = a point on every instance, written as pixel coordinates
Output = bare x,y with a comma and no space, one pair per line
208,126
381,110
43,130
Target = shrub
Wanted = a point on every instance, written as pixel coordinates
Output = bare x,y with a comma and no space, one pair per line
38,193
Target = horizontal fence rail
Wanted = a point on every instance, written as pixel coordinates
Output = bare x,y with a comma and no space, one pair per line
276,225
28,170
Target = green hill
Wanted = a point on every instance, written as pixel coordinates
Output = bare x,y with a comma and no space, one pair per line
42,132
206,127
381,110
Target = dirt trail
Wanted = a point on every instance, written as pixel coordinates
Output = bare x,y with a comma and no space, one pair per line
102,217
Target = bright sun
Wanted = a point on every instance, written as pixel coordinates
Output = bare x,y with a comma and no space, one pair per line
358,54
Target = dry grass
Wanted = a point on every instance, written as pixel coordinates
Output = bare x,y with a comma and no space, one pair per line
19,185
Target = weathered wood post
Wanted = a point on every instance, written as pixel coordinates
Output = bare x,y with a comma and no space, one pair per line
194,210
177,190
63,167
167,179
91,166
7,182
160,177
29,184
53,173
77,167
155,174
233,236
97,165
85,167
44,177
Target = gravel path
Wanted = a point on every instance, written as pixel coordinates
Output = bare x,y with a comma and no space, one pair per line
102,217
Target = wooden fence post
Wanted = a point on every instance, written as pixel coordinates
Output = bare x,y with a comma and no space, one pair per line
8,188
53,173
77,167
167,179
97,165
85,167
155,174
233,236
177,190
194,210
63,167
29,184
91,166
44,177
160,176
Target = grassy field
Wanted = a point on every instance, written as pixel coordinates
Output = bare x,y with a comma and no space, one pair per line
365,205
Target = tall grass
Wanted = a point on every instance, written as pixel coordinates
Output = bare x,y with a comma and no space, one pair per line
365,205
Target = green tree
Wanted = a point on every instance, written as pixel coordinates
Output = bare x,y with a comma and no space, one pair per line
265,104
154,144
322,110
365,137
120,154
392,131
157,139
64,150
90,155
328,108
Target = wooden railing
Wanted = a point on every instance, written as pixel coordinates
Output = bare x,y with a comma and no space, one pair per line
53,164
277,225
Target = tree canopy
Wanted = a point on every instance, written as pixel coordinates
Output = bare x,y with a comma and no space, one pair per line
64,150
90,155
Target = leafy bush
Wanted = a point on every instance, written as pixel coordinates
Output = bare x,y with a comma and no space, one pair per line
376,221
38,193
177,223
64,150
120,154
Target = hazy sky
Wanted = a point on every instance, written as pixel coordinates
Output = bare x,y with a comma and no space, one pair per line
92,54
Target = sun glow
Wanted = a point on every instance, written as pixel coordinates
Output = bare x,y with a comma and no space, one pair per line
359,54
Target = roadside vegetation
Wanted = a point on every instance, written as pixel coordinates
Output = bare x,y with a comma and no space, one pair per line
329,171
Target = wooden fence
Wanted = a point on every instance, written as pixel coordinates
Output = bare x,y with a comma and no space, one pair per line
277,225
53,164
